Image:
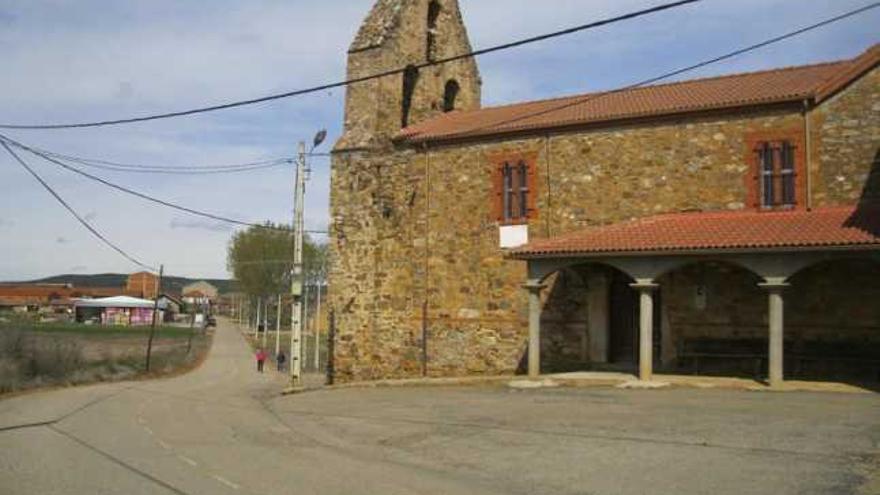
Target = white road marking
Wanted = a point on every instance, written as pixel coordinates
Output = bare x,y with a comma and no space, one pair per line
164,445
187,460
226,482
149,430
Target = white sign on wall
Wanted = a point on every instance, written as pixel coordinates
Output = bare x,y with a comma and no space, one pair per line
513,236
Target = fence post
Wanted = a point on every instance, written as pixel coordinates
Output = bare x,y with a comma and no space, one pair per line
331,347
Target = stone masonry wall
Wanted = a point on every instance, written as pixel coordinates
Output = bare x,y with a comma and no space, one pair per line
397,36
847,144
414,243
824,303
418,226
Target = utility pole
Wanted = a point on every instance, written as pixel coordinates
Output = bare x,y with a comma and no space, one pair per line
265,324
296,279
257,327
317,326
306,324
278,327
155,316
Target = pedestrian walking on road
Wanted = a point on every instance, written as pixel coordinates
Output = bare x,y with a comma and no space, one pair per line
280,359
261,359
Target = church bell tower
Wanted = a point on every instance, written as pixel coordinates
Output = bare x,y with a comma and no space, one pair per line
405,34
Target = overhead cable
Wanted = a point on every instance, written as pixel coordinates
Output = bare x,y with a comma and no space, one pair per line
347,82
652,80
73,212
6,140
113,167
174,169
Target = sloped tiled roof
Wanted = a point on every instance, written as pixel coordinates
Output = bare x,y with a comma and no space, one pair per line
791,84
834,227
20,294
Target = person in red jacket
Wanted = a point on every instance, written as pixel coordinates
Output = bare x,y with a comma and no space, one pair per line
261,359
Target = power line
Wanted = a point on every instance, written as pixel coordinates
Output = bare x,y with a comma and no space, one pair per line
6,140
73,212
347,82
114,167
704,63
171,169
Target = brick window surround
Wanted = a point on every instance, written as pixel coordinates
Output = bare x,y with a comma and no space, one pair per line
775,138
508,188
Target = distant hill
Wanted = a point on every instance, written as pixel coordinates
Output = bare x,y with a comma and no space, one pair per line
170,284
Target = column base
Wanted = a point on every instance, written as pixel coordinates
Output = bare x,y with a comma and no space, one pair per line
293,390
776,384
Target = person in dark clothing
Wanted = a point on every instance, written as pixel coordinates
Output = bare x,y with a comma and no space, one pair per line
281,358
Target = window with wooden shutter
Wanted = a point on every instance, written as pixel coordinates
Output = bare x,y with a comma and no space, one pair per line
514,185
776,178
776,164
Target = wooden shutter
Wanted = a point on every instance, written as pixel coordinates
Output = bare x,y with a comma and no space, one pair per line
496,172
532,168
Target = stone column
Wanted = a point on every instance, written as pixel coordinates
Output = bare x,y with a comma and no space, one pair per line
534,287
597,317
774,287
646,289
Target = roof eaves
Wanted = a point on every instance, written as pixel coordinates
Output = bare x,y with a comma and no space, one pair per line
860,66
490,130
676,251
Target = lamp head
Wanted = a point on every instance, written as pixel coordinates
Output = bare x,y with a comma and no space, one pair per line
319,138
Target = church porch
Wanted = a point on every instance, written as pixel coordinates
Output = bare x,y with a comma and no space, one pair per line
708,299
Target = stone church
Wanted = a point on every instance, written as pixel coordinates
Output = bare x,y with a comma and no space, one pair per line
725,225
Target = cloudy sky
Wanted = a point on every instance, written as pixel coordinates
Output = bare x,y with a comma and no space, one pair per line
79,60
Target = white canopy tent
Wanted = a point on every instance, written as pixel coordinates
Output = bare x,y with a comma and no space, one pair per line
117,310
117,302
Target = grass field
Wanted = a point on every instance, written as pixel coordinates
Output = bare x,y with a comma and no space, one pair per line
36,355
101,331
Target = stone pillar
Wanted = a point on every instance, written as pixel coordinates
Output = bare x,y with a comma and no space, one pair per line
597,317
646,289
534,287
775,361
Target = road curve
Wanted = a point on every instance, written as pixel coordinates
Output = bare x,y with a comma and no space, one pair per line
211,431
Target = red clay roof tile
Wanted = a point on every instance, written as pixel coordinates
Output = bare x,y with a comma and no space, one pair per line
742,230
732,91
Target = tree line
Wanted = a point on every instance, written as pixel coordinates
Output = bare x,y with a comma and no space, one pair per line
261,261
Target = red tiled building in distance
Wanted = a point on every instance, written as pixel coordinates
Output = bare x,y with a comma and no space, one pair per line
144,285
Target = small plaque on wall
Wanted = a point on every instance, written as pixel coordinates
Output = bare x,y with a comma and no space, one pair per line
513,236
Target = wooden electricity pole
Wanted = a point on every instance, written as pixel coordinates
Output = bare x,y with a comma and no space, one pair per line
155,317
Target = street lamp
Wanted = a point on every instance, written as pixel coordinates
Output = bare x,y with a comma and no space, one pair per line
296,286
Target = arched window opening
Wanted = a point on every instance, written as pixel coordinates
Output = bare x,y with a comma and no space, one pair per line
433,15
450,95
410,78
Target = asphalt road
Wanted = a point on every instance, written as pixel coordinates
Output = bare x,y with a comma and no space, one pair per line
224,429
